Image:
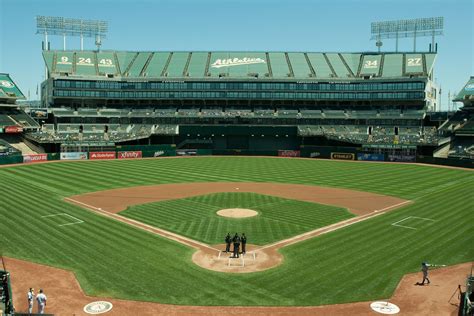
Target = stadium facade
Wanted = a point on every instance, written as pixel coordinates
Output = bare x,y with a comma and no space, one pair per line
239,101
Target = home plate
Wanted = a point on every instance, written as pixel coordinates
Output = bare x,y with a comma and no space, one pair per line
385,308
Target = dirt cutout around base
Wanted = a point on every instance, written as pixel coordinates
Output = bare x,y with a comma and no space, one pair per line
364,204
65,297
237,212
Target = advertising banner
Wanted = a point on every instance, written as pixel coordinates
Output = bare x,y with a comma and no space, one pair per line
39,113
102,155
402,158
343,156
73,156
129,154
370,157
186,152
35,158
13,129
289,153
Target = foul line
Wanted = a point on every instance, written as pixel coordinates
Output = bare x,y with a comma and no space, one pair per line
77,220
332,227
155,230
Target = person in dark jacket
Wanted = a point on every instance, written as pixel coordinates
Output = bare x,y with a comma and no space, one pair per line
243,240
236,241
228,239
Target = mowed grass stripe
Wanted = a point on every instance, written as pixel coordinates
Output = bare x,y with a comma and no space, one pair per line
196,217
312,272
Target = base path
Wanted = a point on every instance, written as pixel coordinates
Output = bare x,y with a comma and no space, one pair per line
65,297
364,204
357,202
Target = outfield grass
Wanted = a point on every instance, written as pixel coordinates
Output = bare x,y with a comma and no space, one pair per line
364,261
196,218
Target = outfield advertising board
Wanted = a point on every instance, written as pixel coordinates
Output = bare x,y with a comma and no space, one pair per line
402,158
129,154
101,155
370,157
343,156
289,153
187,152
74,156
35,158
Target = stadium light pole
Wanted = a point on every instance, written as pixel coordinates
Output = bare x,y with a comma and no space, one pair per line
407,28
50,25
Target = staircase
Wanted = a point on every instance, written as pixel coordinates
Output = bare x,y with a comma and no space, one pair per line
443,151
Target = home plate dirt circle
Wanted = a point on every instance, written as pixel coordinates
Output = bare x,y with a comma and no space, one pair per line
237,212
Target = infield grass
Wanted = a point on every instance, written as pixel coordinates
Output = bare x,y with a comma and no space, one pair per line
196,218
364,261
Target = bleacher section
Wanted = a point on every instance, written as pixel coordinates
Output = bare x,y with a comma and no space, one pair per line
258,65
372,134
96,132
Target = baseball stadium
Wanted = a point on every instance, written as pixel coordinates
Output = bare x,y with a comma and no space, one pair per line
120,186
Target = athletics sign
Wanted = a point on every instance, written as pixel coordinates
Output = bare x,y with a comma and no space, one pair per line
236,62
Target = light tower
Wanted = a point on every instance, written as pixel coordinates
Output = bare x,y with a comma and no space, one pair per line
50,25
407,28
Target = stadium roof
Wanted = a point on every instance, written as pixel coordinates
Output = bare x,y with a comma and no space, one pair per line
237,65
8,89
467,93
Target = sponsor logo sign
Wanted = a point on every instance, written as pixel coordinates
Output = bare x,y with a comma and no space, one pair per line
186,152
13,129
288,153
314,154
370,157
6,84
73,156
402,158
101,155
219,63
129,154
35,158
39,113
99,307
343,156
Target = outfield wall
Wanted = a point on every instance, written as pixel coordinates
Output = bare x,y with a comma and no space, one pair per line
156,151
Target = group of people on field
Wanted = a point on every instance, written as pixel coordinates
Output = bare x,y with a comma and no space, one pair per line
236,241
40,300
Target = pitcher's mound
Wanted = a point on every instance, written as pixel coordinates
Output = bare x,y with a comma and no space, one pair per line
237,212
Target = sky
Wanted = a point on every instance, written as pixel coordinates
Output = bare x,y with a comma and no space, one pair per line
238,25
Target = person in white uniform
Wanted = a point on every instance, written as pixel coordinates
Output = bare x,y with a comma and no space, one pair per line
31,299
41,300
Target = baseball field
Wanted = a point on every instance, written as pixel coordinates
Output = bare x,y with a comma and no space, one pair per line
358,262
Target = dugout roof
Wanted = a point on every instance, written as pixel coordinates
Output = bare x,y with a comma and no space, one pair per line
237,65
9,91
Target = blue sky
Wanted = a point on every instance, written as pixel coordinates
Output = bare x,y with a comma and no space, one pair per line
248,25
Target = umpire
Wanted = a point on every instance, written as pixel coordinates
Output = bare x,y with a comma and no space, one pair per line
236,241
243,239
227,242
